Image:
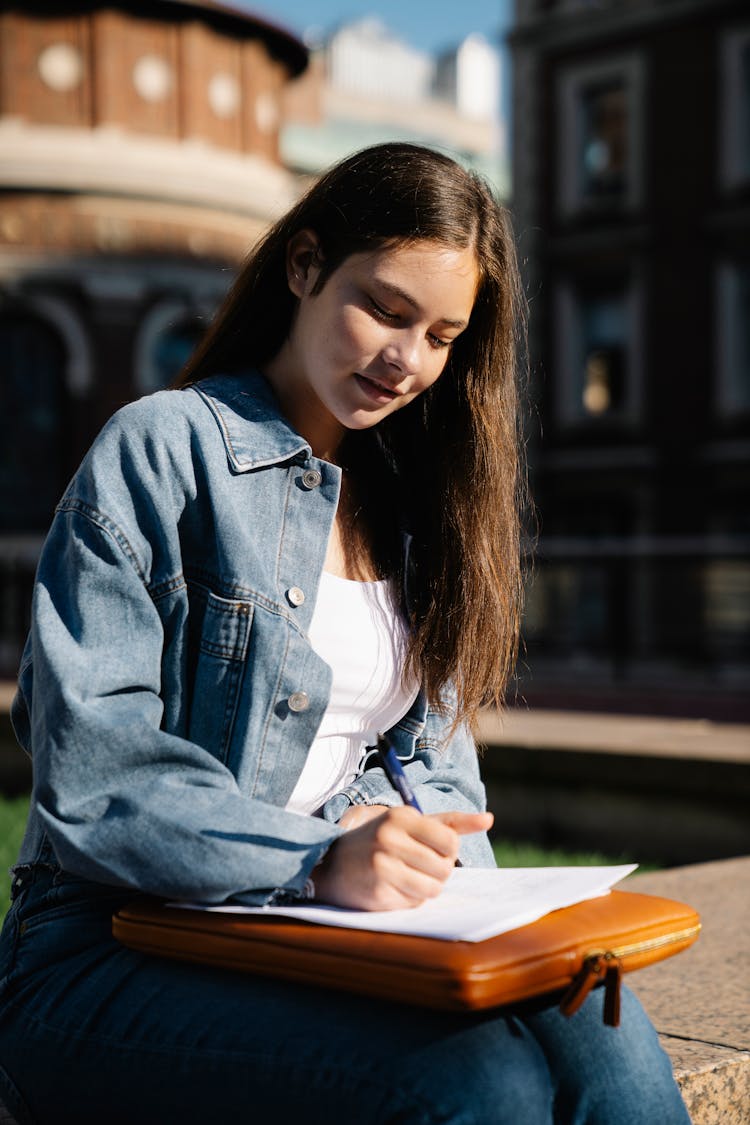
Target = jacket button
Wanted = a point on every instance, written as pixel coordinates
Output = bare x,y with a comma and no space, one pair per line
295,595
311,478
298,701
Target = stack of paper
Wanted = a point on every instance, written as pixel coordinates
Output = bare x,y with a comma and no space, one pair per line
476,903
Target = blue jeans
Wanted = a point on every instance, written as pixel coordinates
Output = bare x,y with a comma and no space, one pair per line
92,1032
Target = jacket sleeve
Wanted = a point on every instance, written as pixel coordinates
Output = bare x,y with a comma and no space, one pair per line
443,771
122,801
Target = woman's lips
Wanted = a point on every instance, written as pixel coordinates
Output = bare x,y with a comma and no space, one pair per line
378,392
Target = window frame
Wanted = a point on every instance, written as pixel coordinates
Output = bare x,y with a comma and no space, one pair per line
572,81
734,170
569,411
729,404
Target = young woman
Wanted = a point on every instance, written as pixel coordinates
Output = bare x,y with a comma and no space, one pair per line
314,539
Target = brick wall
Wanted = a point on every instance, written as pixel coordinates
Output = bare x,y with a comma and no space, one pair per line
182,80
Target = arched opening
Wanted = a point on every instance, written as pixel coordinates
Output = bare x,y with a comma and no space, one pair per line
167,336
34,417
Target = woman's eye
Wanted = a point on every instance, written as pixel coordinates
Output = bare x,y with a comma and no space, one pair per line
380,313
436,342
389,317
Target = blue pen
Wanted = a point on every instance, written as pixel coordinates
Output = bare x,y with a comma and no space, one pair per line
395,772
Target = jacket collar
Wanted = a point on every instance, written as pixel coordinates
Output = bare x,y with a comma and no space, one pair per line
256,434
254,431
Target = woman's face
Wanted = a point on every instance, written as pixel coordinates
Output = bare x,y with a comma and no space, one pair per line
377,334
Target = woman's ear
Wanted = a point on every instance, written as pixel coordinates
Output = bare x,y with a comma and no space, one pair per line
302,261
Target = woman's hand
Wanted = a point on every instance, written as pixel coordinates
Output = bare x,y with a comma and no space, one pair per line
358,815
394,859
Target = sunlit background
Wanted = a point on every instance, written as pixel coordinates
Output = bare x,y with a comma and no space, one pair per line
144,146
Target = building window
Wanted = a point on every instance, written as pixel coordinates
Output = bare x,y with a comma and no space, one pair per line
599,374
727,612
600,136
603,138
172,349
733,339
167,337
735,108
33,421
603,351
567,611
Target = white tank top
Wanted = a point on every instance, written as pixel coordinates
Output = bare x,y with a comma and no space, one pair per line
358,631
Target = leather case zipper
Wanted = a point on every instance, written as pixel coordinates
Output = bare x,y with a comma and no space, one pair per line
607,965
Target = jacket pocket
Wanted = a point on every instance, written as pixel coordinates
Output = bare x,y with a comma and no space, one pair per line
220,636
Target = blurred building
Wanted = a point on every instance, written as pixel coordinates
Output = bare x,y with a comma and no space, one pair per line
364,85
469,78
138,161
632,198
365,58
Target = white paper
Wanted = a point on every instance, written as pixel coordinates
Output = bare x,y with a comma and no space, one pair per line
476,903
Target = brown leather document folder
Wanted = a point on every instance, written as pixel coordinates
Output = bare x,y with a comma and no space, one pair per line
571,949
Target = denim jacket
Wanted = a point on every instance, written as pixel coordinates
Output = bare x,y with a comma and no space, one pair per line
168,693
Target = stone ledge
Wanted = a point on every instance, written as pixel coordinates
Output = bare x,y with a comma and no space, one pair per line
653,736
699,1001
669,790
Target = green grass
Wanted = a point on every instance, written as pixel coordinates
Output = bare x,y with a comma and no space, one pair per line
514,853
12,822
508,853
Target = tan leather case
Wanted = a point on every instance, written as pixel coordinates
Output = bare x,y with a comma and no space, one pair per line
579,944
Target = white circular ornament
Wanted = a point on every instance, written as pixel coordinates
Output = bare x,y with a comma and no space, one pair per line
60,67
224,95
152,78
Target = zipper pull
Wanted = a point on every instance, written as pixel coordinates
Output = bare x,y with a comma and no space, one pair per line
583,982
612,982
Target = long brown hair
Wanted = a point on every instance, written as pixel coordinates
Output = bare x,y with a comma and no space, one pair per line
450,463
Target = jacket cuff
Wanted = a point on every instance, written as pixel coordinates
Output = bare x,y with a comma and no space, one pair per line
371,788
297,889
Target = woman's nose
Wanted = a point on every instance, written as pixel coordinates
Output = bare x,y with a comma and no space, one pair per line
404,353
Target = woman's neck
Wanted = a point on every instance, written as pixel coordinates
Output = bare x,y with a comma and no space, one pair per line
303,409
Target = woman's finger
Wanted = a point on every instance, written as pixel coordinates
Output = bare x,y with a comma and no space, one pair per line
465,823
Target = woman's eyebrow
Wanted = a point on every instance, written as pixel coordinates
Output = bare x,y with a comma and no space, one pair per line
397,291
